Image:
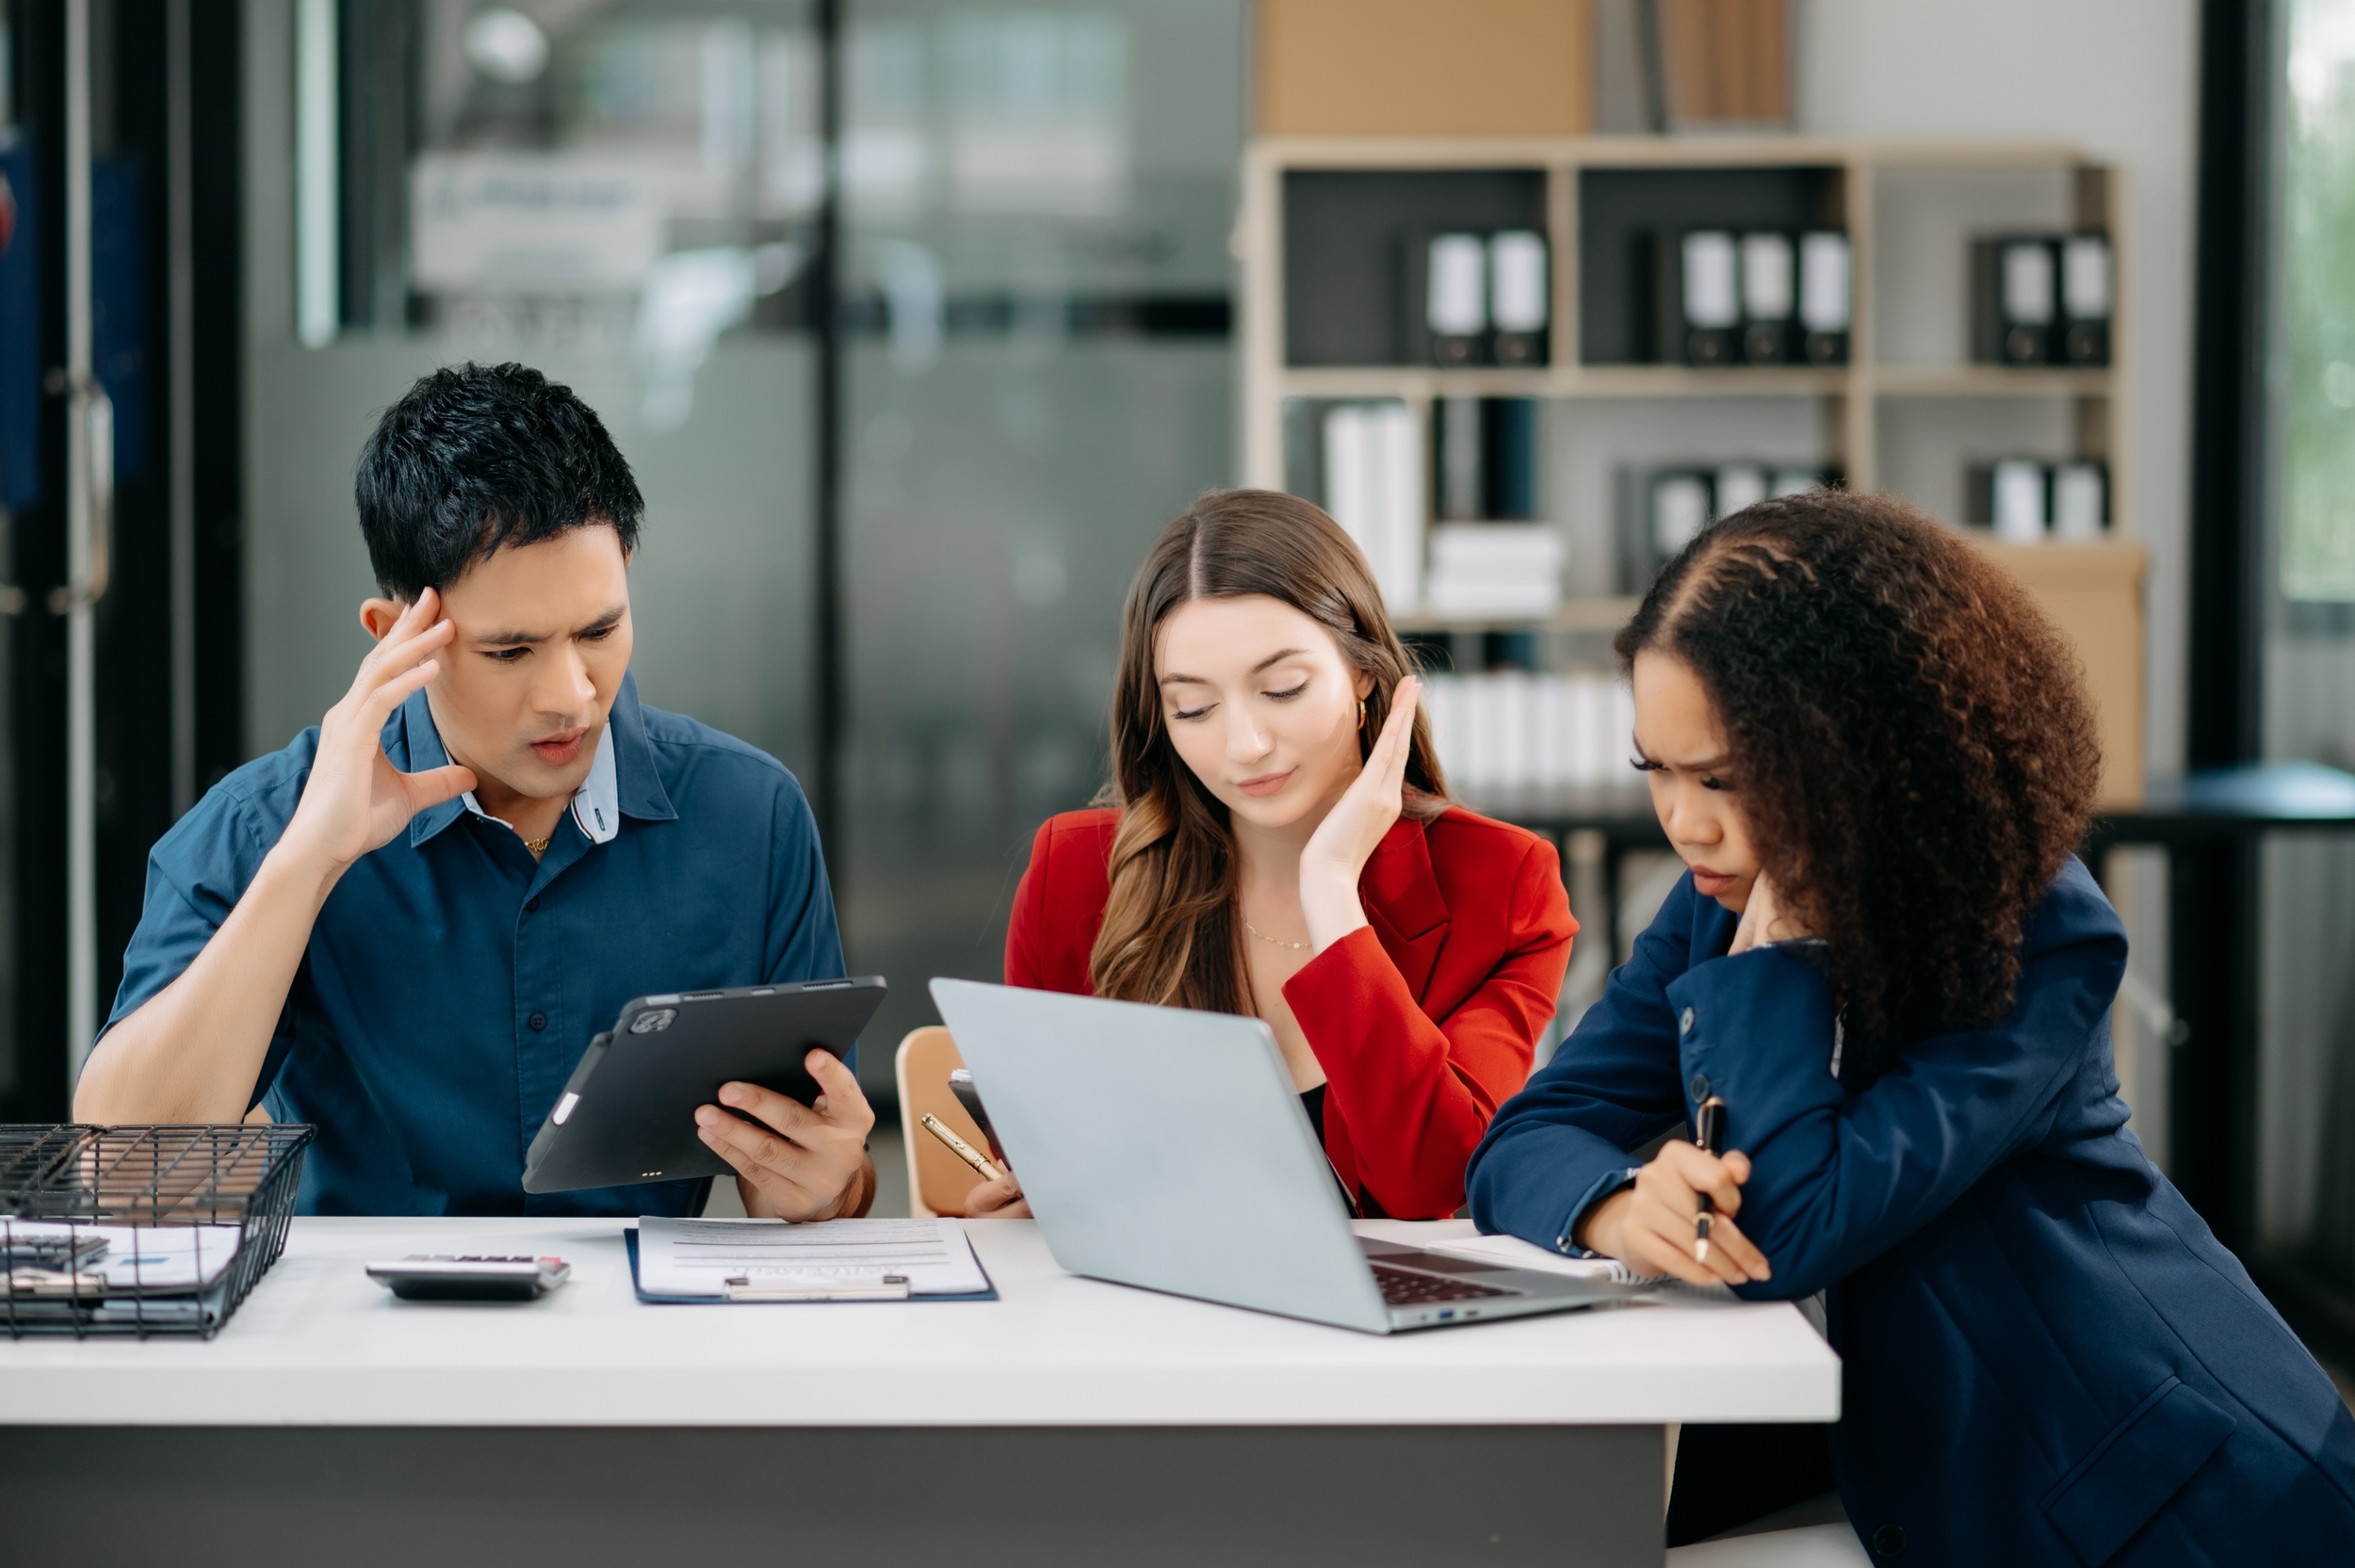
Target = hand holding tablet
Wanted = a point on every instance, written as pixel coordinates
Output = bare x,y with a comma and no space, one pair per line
768,1053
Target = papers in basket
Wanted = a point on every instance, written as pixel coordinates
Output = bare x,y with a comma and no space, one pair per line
699,1258
138,1259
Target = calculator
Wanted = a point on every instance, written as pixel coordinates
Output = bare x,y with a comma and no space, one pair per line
441,1278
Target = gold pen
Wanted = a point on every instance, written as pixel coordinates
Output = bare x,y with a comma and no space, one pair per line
986,1168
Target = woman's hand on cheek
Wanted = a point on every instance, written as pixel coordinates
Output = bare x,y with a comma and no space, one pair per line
1000,1199
1650,1226
1767,919
1336,853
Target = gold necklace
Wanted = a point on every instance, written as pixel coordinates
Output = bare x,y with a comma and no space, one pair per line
1277,942
539,846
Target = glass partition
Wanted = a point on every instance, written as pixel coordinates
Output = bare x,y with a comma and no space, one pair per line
1037,205
2306,1171
1034,313
621,195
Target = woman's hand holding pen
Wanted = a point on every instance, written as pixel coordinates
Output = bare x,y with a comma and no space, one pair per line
998,1200
1649,1226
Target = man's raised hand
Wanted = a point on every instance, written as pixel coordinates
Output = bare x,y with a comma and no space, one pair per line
355,799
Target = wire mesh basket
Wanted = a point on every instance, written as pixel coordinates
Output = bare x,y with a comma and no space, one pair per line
141,1230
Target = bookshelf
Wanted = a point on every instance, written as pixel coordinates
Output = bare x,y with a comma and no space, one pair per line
1325,221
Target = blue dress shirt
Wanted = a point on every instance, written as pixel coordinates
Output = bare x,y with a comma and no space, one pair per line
2047,1359
452,982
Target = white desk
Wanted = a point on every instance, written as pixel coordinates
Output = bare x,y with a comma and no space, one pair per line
1118,1421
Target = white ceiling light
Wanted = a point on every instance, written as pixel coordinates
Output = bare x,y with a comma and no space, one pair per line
506,45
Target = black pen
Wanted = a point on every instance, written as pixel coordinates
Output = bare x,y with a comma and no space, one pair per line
1709,1124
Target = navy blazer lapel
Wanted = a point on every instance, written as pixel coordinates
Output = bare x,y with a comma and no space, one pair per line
1401,895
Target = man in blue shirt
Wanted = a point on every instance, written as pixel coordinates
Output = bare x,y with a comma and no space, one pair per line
406,927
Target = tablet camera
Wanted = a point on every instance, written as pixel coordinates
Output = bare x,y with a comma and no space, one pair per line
653,1021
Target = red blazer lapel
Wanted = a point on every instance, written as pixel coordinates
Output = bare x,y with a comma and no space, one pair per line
1403,903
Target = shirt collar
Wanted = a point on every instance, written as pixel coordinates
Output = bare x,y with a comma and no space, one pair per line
621,779
596,804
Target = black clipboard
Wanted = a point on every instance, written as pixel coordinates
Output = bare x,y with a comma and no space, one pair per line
629,1238
628,1114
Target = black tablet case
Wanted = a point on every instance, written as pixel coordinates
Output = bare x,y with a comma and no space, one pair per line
639,1085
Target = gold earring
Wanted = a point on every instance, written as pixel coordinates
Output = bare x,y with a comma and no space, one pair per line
1361,713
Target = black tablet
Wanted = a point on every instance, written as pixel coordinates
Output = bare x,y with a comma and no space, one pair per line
628,1114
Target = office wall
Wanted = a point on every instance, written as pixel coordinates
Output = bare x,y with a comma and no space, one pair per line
2121,78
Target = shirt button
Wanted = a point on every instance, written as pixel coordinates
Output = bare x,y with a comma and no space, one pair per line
538,1021
1890,1541
532,903
1684,1022
1699,1086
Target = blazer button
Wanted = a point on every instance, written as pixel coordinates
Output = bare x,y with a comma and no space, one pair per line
1890,1541
1699,1086
1684,1022
538,1021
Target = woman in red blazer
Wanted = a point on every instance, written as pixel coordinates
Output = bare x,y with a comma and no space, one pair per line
1282,845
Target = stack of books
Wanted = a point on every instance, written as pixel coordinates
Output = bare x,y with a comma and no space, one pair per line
1509,729
1495,570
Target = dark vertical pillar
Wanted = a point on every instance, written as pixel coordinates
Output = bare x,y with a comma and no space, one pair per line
217,203
36,562
132,352
2228,387
2213,890
825,278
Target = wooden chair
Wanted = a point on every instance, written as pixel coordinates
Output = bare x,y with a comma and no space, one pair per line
937,1180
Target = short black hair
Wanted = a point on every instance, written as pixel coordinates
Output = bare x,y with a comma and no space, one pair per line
482,455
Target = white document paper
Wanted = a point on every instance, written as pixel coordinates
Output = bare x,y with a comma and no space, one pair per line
1513,1253
148,1258
697,1257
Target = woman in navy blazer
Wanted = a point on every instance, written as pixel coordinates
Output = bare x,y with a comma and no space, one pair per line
1874,758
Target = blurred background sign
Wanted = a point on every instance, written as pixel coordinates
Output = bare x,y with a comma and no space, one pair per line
508,221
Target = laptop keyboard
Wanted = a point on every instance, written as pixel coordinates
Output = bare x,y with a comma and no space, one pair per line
1405,1287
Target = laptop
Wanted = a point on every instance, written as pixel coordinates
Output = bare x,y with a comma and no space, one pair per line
1166,1148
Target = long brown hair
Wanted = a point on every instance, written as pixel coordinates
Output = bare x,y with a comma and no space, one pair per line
1170,935
1912,750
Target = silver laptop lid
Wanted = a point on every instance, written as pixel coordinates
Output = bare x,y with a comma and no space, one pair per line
1164,1148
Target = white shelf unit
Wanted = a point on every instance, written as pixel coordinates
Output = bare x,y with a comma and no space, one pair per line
1906,413
1909,209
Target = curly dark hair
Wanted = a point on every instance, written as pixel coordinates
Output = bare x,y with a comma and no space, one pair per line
1912,747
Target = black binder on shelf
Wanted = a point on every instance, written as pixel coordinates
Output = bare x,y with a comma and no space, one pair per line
1699,298
1769,298
1485,458
2086,299
1460,471
1660,510
1519,289
1824,296
1446,298
1509,457
2014,298
2081,500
